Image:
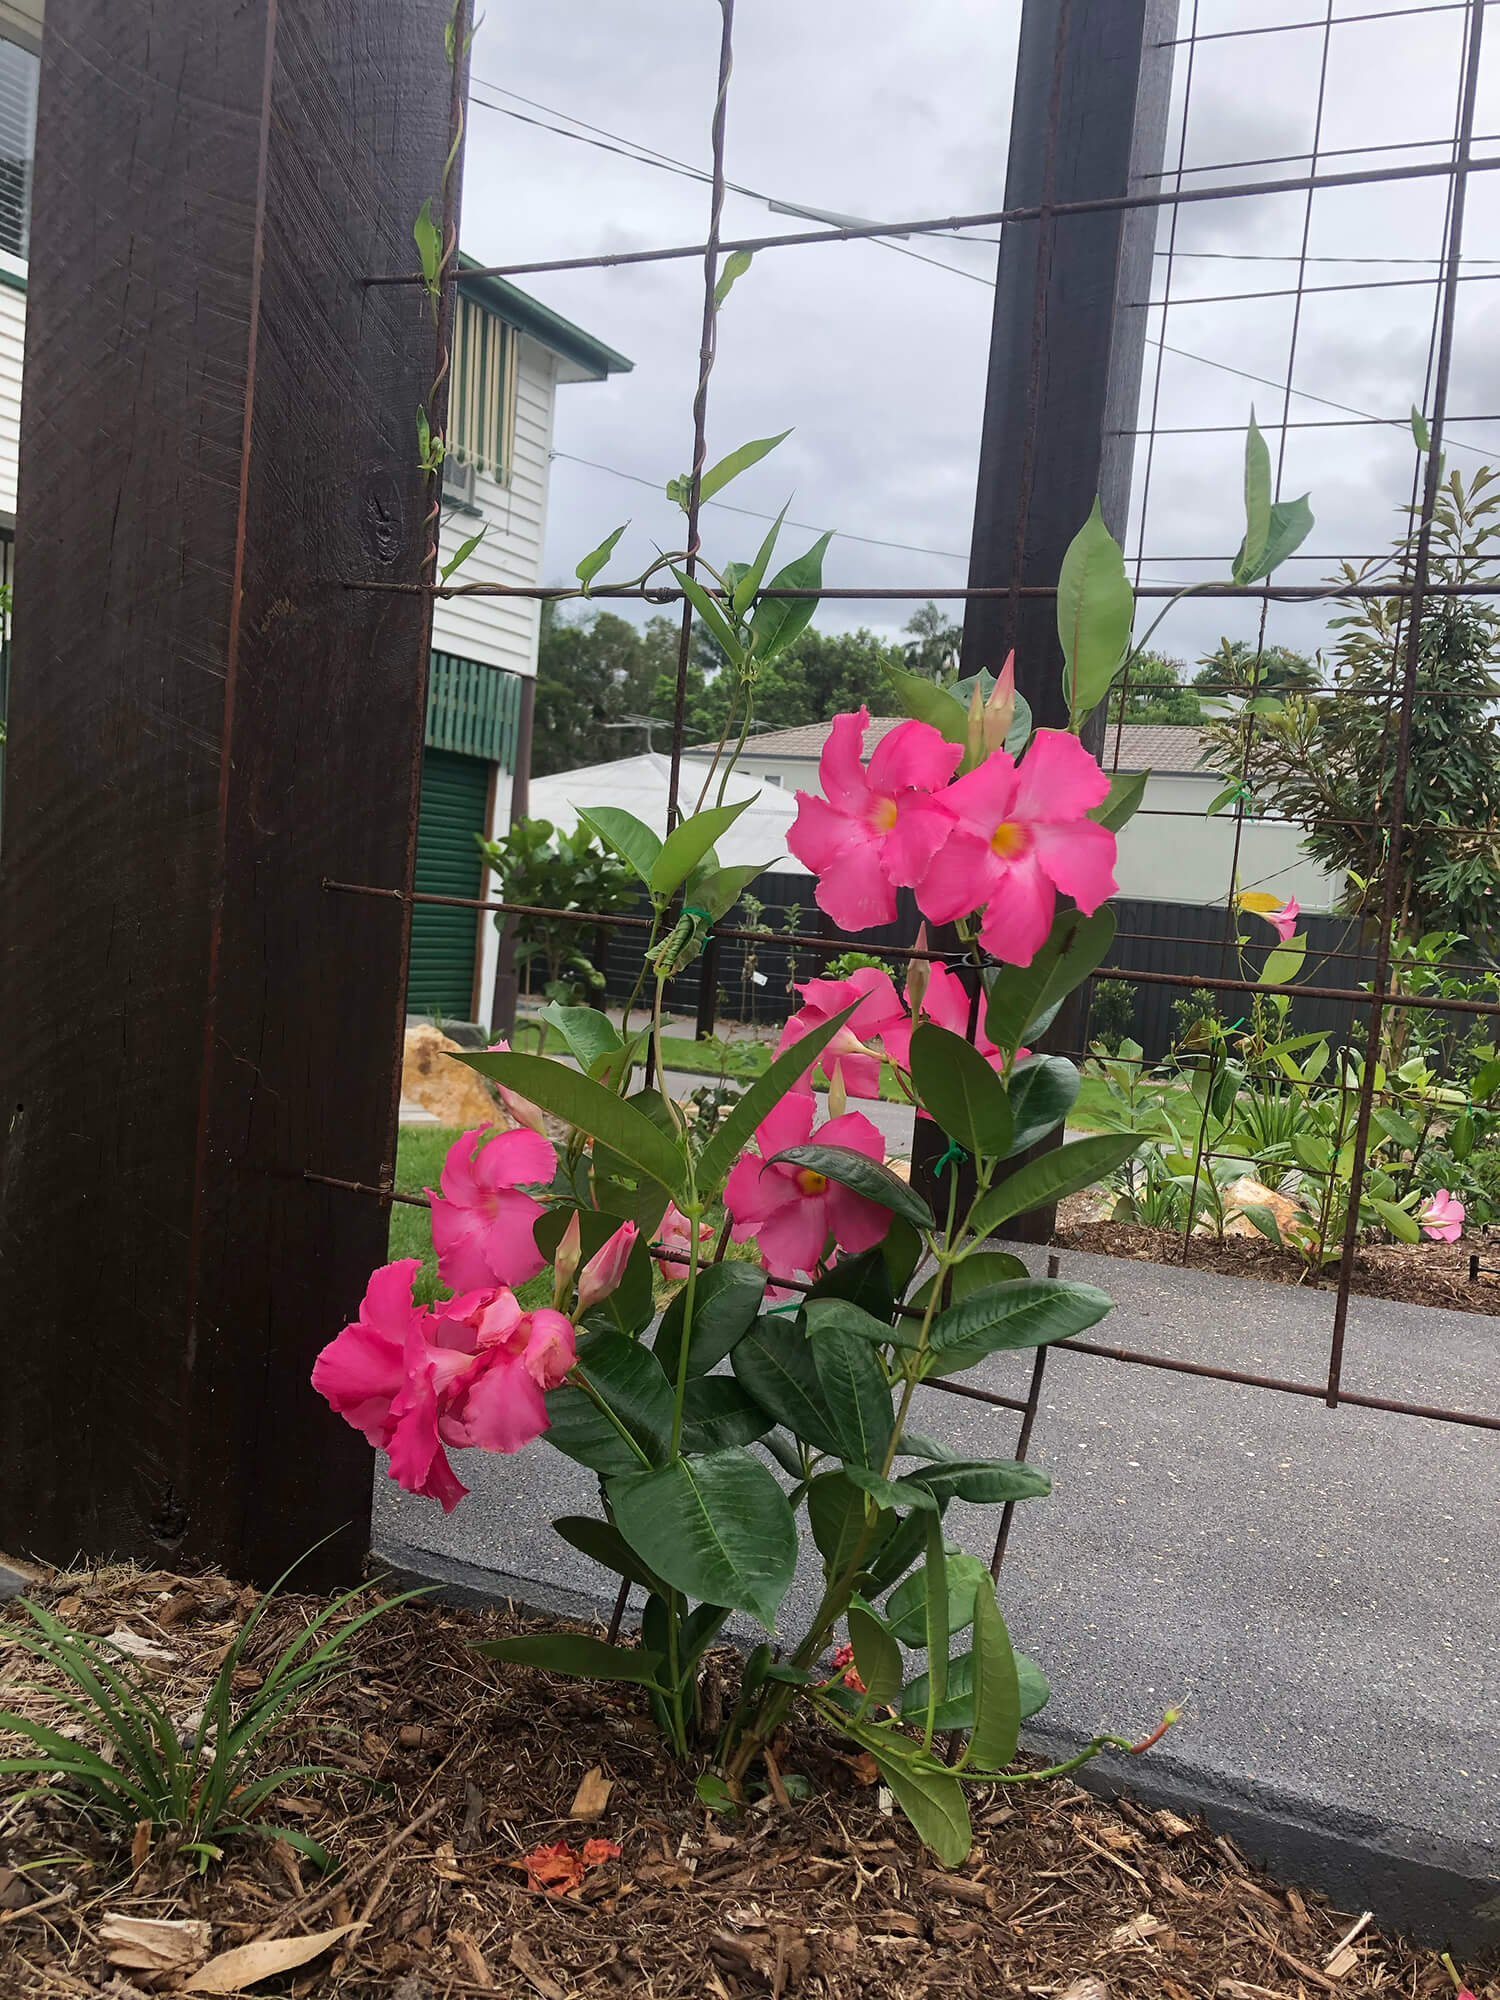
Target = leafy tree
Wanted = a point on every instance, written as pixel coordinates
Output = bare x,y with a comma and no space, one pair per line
536,864
934,646
1154,693
592,673
819,674
1275,670
1328,759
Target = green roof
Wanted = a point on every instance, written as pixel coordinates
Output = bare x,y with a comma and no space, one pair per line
519,309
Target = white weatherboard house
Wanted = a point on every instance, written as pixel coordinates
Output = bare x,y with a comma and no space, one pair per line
510,354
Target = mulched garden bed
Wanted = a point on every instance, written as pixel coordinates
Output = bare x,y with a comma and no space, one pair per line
1420,1274
824,1895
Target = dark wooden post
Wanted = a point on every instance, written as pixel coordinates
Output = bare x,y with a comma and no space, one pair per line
204,725
1089,115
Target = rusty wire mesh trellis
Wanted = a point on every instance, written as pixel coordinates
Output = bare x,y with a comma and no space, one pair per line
1182,186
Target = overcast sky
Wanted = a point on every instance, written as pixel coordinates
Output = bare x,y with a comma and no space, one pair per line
887,108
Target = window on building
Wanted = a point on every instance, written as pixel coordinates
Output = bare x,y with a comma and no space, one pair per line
482,410
18,78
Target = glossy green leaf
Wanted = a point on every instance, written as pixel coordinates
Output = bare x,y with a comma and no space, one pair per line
997,1688
933,1801
587,1033
1126,791
1399,1130
861,1174
603,1543
841,1521
1024,998
746,584
906,1607
721,888
429,242
1095,607
957,1712
462,553
877,1657
777,621
726,1299
713,617
856,1391
1421,435
573,1653
1285,962
718,1412
979,1270
1021,1312
853,1319
589,1108
736,1131
719,1528
896,1555
925,701
595,560
863,1280
630,837
901,1495
1263,1219
1291,524
717,477
982,1481
628,1378
957,1086
1257,506
1402,1225
1043,1181
1043,1090
686,845
736,264
775,1363
919,1444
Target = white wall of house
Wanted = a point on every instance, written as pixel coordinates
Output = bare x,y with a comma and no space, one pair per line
12,348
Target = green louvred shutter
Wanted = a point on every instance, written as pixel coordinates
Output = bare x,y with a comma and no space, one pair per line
444,939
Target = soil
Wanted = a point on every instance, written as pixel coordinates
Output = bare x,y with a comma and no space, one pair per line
1421,1274
830,1895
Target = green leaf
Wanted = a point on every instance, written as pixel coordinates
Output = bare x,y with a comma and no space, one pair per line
982,1481
589,1108
775,1363
767,1091
1257,506
429,242
997,1689
718,1412
587,1033
721,889
877,1657
1048,1179
726,1299
1022,1312
462,553
1285,962
957,1086
933,1801
1402,1225
595,560
746,584
1126,790
719,1528
603,1543
957,1712
630,1306
631,838
1263,1219
935,1612
718,476
925,701
844,1314
863,1280
858,1172
856,1391
906,1607
573,1653
979,1270
1421,435
736,264
1095,607
1043,1090
686,845
1291,524
901,1495
1023,998
706,608
777,621
1399,1130
629,1379
838,1515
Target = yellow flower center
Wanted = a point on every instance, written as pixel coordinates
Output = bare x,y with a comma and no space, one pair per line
1009,839
883,815
812,1182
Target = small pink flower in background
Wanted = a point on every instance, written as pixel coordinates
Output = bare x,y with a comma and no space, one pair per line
944,1002
847,1053
675,1233
1022,833
602,1274
1284,920
844,1658
483,1227
1442,1217
790,1209
520,1108
861,838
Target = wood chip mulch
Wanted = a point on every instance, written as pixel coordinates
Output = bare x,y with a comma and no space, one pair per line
824,1896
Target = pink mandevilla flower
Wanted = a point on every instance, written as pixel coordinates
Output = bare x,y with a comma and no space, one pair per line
792,1209
878,1009
675,1233
520,1108
1022,833
944,1001
602,1274
861,838
470,1371
1442,1217
1284,920
483,1227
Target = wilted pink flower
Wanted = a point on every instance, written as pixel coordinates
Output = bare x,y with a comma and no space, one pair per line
793,1209
676,1233
1442,1217
1284,920
878,1008
520,1108
603,1272
483,1227
860,838
844,1658
471,1371
1022,834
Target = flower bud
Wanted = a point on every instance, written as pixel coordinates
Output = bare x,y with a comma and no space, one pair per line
520,1108
974,740
565,1263
602,1273
1000,709
838,1096
918,972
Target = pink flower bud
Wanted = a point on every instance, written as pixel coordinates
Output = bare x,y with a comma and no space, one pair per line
918,972
974,738
520,1108
569,1250
1000,709
602,1273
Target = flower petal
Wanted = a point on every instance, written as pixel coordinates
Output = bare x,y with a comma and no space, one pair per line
840,772
1080,858
820,832
1059,779
964,874
853,887
1019,915
792,1239
913,753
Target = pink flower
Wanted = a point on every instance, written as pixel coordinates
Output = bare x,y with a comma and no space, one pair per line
945,1002
792,1209
860,838
1284,920
483,1227
520,1108
878,1008
675,1233
1022,834
471,1371
603,1272
1442,1217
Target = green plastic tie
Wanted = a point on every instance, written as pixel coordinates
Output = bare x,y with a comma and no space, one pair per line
955,1156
